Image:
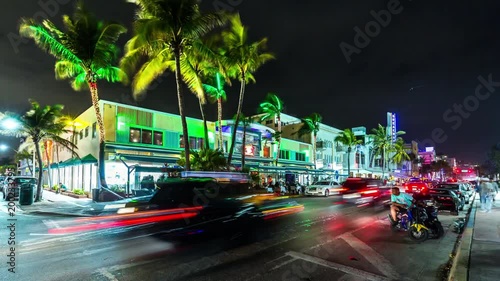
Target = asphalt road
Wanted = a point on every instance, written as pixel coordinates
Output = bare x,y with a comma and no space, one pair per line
327,241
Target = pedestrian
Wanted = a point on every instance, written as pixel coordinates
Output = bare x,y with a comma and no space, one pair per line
481,189
488,192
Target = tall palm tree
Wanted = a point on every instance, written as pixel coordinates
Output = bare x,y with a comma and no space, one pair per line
165,29
399,152
347,138
85,52
41,124
272,107
383,143
245,121
242,59
311,125
217,94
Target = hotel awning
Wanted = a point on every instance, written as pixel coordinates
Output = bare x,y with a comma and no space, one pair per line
148,158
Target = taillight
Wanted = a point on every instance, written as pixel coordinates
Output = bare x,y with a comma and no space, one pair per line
372,191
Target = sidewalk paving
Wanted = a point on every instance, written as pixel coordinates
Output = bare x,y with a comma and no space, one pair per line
478,251
59,204
485,249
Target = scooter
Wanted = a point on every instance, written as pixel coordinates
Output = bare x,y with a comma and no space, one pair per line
419,221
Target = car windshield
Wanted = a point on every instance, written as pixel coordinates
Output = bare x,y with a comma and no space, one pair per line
25,180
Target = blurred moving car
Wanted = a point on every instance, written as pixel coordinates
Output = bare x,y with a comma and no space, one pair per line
324,188
460,189
365,190
11,186
447,199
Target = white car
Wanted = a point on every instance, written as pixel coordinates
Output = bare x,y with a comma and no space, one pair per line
324,188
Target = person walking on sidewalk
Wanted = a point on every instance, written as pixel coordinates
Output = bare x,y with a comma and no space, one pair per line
488,191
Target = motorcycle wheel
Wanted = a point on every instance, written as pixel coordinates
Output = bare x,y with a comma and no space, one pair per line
418,236
439,230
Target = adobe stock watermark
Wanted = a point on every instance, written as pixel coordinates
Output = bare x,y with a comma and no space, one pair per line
226,5
458,112
372,29
48,9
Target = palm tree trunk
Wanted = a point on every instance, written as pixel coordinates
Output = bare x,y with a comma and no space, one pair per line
349,161
279,140
38,197
238,113
102,137
46,150
180,99
205,126
243,145
383,162
219,118
314,150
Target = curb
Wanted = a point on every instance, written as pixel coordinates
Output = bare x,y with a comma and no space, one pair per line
460,266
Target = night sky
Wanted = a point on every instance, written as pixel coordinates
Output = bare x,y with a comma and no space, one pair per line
423,63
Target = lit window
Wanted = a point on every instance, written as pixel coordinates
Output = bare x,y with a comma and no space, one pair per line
147,137
135,135
158,138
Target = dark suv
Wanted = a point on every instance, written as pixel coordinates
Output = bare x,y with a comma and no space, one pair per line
365,190
460,189
447,199
11,186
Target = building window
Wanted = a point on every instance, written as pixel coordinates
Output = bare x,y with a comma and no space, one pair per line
81,134
86,131
135,135
147,136
194,142
158,138
269,122
300,156
284,154
94,130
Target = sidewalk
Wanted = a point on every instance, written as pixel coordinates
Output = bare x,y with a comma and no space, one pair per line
58,204
480,246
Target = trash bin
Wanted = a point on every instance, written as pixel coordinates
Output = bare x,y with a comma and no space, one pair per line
95,194
26,194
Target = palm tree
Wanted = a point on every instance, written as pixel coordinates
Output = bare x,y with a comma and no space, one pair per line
85,53
311,125
246,121
41,124
165,29
272,107
217,93
399,152
25,155
383,143
242,59
347,138
205,159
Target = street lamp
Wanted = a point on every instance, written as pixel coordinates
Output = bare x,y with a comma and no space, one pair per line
10,124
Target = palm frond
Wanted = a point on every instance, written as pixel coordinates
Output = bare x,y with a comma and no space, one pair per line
112,74
150,70
47,41
67,70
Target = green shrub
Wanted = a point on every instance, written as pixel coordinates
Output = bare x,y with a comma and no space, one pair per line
78,192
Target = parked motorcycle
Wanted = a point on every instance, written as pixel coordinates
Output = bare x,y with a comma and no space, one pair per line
420,221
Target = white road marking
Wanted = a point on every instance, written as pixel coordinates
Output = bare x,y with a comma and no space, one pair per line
51,224
284,263
376,259
107,274
338,266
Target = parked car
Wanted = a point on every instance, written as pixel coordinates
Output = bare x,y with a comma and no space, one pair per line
460,189
324,188
365,190
11,186
447,199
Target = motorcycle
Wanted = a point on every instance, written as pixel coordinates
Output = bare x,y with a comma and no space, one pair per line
420,221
